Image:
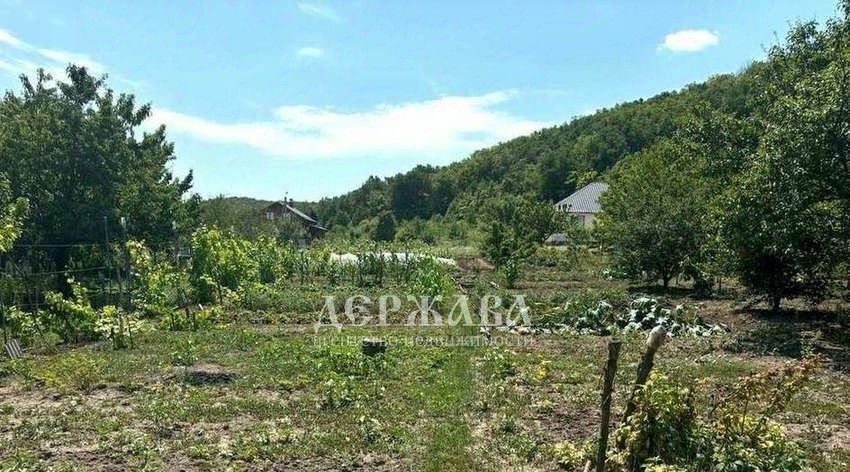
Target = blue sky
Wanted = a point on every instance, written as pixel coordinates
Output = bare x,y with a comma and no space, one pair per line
311,97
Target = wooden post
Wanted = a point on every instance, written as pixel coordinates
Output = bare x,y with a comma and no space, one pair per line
607,391
653,342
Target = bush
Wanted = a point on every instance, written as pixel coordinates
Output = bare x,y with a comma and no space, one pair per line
159,287
567,455
26,327
220,260
514,229
665,434
385,227
118,327
74,317
275,261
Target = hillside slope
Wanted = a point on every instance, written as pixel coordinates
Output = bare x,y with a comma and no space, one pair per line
545,164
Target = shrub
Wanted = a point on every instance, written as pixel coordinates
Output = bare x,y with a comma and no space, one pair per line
275,260
74,317
385,227
159,287
567,455
220,260
665,434
26,327
118,327
515,228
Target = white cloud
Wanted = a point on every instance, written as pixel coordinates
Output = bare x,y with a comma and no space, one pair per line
10,39
20,57
319,11
312,52
65,57
690,40
441,129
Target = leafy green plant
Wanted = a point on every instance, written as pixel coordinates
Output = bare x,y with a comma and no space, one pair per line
220,260
666,433
186,353
431,279
26,327
74,317
118,327
567,455
515,228
159,287
12,213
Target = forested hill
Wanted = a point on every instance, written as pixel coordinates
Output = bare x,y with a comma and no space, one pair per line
546,164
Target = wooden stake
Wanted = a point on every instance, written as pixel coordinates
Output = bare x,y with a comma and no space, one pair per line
653,342
607,391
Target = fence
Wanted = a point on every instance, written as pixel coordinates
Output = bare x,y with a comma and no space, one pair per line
27,271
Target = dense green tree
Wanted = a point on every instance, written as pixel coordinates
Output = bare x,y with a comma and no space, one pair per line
653,213
786,216
73,150
410,194
385,227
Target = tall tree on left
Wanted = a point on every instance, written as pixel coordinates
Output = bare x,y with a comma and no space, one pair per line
12,213
72,148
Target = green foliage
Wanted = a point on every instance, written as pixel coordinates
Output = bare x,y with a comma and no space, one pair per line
99,163
220,260
605,312
118,327
27,327
783,213
663,428
159,288
431,279
185,354
275,260
12,212
567,455
666,433
515,227
653,213
385,227
74,316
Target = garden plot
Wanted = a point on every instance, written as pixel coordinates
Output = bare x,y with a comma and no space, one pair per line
255,388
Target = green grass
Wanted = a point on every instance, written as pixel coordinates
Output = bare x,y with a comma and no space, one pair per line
270,396
259,396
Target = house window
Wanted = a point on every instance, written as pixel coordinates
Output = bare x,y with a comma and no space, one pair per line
269,215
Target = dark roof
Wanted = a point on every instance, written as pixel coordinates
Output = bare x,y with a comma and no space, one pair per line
301,214
297,212
585,199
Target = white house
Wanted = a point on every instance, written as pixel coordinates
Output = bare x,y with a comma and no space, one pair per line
584,203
